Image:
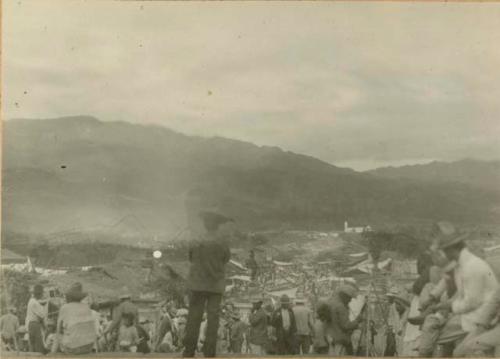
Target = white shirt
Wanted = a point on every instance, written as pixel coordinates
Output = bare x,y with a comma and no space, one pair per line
285,315
35,311
476,283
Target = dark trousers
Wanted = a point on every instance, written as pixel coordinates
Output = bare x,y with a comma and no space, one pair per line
35,338
304,344
198,302
236,346
287,344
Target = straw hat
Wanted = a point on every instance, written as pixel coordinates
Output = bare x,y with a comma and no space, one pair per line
448,241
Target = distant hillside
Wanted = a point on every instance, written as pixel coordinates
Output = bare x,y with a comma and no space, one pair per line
478,174
78,173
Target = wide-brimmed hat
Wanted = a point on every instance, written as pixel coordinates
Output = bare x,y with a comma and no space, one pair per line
448,241
75,292
285,299
348,290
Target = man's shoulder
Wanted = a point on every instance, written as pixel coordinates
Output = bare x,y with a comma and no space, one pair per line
477,263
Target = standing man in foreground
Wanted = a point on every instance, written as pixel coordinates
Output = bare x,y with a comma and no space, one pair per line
305,326
340,328
206,283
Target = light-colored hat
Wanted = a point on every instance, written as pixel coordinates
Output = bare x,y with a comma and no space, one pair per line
448,241
182,312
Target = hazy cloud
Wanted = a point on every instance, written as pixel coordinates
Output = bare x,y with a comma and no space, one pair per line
361,84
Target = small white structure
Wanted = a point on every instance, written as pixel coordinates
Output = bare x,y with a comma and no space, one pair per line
348,229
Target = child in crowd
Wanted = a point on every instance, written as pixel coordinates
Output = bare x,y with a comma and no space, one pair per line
128,337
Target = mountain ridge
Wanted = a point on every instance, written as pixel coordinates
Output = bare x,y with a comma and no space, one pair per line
484,174
85,172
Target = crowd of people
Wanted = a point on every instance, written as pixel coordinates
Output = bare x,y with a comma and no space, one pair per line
452,309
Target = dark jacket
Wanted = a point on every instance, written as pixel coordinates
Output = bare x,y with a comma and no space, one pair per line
208,258
277,322
258,327
340,327
143,346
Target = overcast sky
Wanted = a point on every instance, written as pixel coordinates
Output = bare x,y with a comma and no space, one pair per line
355,84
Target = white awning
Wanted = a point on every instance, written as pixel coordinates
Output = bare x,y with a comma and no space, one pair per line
278,263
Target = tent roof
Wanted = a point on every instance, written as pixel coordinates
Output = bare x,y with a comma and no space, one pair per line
237,264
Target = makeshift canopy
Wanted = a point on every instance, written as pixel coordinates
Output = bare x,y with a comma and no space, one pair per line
237,264
278,263
337,279
361,254
243,278
367,266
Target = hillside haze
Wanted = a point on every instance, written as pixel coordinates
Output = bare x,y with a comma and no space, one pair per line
476,173
78,173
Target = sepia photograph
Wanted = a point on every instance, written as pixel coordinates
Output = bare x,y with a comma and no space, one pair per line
250,178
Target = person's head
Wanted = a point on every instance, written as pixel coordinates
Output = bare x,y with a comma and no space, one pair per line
38,291
452,251
12,310
285,302
257,304
346,293
75,293
212,221
128,319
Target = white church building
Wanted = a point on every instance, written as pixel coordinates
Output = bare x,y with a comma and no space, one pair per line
348,229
